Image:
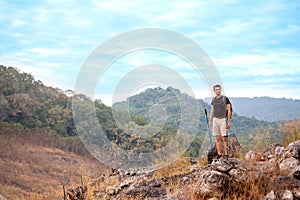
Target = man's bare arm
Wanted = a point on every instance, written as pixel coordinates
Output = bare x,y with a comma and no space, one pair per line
228,116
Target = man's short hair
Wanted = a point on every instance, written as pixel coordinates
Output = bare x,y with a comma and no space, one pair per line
217,86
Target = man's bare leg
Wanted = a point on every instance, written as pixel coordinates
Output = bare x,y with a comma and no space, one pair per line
224,145
219,145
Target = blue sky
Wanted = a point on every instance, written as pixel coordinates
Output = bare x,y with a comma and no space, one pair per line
254,44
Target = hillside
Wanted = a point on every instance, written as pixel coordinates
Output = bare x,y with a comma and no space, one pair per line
36,165
31,104
39,146
166,99
28,102
266,108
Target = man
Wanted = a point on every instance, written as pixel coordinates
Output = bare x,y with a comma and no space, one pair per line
220,109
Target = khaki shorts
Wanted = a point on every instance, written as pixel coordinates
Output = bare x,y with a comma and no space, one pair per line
219,127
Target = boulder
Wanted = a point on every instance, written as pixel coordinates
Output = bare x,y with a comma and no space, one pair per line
234,148
211,184
296,193
270,196
281,184
147,189
252,156
221,165
279,152
296,173
269,152
292,150
242,172
287,195
288,165
270,167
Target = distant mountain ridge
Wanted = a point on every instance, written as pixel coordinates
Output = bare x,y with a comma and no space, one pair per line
140,104
265,108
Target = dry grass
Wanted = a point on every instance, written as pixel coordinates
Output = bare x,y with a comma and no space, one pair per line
258,186
180,166
173,174
255,189
33,172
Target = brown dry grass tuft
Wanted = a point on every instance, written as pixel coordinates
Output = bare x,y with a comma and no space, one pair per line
29,170
180,166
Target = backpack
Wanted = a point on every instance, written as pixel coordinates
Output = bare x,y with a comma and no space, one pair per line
223,99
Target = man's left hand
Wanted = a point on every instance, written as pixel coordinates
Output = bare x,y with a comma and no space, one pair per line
228,126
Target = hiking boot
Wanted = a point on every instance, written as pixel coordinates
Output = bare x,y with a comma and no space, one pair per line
218,156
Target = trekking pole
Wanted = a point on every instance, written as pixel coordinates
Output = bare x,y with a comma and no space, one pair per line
210,139
227,130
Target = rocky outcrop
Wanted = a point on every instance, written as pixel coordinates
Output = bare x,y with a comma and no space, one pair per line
153,188
274,174
285,162
234,148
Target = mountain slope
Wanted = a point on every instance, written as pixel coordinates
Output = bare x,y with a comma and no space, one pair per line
34,166
143,103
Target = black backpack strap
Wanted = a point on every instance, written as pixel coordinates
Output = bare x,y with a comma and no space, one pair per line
225,105
213,101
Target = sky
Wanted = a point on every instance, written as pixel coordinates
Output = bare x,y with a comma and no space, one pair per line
254,45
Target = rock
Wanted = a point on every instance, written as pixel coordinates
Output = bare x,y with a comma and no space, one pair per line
238,175
296,173
270,196
281,184
287,165
295,142
269,152
279,152
183,194
252,156
111,190
270,167
296,193
211,184
153,188
293,150
234,148
287,195
193,168
221,165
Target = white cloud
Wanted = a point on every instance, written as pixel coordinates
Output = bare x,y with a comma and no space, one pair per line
264,64
47,51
